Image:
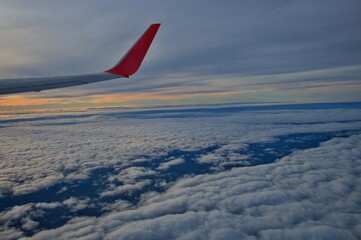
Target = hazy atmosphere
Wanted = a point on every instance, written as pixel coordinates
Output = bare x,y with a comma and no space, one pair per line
205,51
243,122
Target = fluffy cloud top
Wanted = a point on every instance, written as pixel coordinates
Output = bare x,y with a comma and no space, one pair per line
311,192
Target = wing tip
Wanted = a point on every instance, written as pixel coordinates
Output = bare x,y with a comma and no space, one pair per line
132,60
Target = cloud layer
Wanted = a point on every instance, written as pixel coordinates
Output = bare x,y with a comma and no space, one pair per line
312,193
184,173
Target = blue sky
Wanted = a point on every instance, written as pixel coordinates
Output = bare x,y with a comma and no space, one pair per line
205,51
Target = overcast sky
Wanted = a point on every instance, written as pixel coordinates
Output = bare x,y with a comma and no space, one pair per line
205,51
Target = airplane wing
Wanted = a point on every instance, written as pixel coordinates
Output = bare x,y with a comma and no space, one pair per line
126,67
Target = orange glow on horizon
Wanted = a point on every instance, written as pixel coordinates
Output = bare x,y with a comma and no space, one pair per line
98,99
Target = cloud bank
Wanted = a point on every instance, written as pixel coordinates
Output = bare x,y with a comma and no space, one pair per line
311,193
182,173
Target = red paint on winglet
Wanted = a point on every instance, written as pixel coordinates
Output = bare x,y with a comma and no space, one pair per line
131,61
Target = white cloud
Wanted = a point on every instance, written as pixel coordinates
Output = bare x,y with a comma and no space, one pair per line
128,189
15,213
324,232
50,205
312,193
29,224
76,204
118,205
10,233
75,229
311,188
21,215
166,165
131,174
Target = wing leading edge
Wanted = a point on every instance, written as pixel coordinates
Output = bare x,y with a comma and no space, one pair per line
126,67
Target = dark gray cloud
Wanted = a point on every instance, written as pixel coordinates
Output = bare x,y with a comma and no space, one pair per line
197,38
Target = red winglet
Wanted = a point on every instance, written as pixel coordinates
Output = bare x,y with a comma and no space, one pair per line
131,61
